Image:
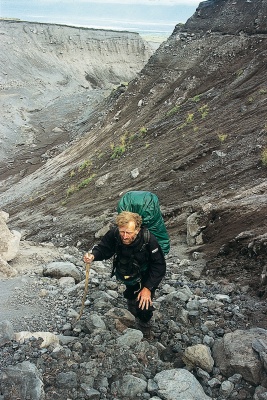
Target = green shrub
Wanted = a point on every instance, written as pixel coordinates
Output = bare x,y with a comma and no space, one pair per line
204,110
264,157
100,155
181,126
196,98
74,188
71,189
85,182
84,165
174,110
120,149
222,137
189,118
132,137
143,130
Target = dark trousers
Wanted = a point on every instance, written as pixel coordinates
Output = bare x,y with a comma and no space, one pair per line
131,294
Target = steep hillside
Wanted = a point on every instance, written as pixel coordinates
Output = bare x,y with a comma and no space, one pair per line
191,128
52,78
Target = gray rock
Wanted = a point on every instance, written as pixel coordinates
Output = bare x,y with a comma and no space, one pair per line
6,332
23,381
9,240
61,269
94,322
259,345
177,384
131,386
192,305
91,394
234,354
67,380
130,337
200,356
122,315
226,388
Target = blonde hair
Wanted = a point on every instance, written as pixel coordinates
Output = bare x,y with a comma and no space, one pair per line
126,216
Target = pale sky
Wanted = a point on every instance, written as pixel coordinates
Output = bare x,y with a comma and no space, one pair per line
148,2
143,16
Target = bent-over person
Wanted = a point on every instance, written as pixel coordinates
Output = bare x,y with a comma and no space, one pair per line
138,262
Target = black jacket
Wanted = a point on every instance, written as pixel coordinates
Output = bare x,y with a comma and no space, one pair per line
108,246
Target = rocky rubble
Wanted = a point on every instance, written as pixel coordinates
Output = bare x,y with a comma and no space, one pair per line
204,344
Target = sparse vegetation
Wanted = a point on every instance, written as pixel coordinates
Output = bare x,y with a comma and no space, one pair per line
118,151
222,137
85,182
264,157
181,126
71,189
173,111
204,110
143,130
84,165
189,118
76,187
125,140
132,137
196,98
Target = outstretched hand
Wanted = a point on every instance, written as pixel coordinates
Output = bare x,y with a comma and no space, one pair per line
88,258
144,298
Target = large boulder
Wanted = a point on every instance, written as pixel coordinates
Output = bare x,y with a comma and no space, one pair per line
234,353
6,271
9,240
177,384
198,356
59,269
6,332
22,381
9,246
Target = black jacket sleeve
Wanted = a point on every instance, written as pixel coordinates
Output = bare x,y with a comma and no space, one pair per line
157,264
106,248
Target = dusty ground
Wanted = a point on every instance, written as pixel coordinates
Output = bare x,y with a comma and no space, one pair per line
29,264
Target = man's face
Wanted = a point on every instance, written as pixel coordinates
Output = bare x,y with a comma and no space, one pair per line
128,232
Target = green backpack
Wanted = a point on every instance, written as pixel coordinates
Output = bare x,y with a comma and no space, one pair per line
147,205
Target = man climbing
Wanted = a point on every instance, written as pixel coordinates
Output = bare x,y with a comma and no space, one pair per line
138,262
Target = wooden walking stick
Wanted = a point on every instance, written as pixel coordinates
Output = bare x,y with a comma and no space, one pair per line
85,290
